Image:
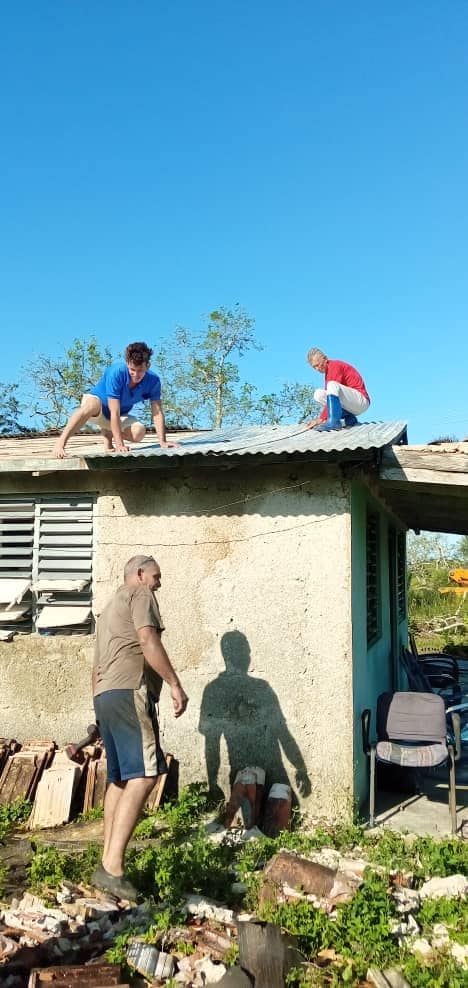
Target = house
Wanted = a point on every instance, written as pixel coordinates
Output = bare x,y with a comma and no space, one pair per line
283,592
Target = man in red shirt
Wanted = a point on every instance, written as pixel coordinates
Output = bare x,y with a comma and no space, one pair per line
344,395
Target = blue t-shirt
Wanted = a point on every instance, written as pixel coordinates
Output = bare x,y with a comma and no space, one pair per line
115,383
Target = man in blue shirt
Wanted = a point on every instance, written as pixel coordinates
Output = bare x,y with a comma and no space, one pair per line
107,405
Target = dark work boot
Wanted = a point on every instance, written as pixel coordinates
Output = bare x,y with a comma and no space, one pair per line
349,419
335,412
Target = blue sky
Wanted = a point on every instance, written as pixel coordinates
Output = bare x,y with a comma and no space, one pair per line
307,159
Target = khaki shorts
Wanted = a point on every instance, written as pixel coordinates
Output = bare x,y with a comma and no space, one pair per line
101,422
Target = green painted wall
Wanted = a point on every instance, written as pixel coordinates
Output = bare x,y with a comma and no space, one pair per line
374,668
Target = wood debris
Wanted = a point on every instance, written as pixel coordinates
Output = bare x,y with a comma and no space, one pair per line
23,769
77,976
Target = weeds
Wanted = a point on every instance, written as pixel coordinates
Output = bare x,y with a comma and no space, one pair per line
50,867
453,913
95,813
11,815
178,818
172,869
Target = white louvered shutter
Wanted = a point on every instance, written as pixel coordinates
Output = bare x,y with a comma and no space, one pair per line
63,564
17,519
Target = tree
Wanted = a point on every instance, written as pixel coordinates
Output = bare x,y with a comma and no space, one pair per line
294,401
462,549
201,378
10,410
202,386
60,382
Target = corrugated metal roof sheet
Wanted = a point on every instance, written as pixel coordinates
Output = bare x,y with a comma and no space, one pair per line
253,440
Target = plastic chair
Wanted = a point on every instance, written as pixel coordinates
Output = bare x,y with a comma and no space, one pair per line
411,733
436,664
456,705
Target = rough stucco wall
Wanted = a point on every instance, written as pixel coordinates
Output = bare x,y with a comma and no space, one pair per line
46,687
256,600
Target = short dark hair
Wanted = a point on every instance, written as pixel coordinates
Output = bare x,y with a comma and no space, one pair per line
138,353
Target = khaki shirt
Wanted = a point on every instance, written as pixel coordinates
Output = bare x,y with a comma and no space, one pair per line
119,663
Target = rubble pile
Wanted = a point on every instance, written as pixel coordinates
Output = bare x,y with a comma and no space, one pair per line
407,930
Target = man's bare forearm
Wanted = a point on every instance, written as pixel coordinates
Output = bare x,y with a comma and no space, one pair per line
160,425
116,427
156,655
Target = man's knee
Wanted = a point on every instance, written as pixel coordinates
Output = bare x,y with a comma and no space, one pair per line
143,785
90,406
138,431
333,388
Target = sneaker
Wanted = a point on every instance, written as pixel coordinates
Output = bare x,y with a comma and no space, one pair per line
117,885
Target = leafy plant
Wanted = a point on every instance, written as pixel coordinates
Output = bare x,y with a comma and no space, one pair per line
50,867
12,814
195,866
453,913
94,813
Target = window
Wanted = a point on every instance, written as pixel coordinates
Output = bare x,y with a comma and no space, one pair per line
401,575
46,557
373,576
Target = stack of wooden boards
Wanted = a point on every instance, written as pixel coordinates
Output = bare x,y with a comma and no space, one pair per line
57,786
39,773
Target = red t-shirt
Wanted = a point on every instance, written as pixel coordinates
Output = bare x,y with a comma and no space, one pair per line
344,373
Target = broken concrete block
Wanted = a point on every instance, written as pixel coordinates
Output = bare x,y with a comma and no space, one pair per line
277,815
422,947
211,974
8,948
197,905
240,810
451,887
460,952
149,960
292,872
406,900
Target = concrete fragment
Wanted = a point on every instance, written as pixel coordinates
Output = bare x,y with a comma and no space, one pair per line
451,887
8,947
240,810
148,960
422,946
210,973
88,908
198,905
460,952
289,872
406,899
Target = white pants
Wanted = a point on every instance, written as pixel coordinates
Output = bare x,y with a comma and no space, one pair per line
351,400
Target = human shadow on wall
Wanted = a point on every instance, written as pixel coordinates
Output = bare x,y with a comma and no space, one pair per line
247,713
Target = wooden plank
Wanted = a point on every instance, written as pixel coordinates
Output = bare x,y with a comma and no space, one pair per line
156,794
98,975
100,783
54,797
425,477
16,778
445,459
265,953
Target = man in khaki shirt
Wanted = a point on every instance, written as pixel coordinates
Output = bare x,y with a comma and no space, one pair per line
130,665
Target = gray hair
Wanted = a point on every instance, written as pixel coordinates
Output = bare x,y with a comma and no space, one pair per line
315,352
136,563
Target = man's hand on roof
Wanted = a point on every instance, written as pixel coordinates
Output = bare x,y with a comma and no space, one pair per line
312,423
166,445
